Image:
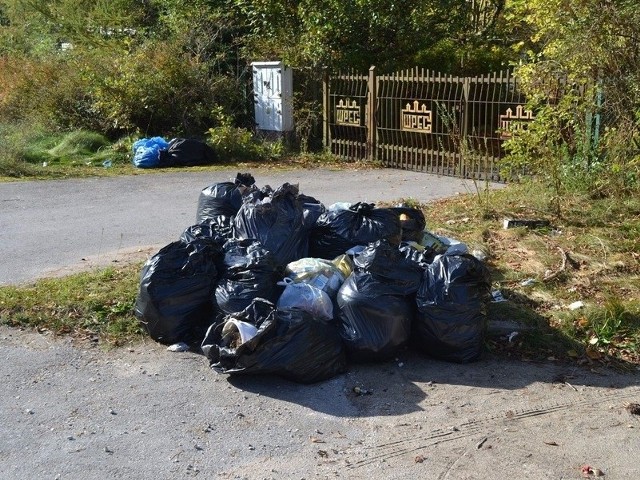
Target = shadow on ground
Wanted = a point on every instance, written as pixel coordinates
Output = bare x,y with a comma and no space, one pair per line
403,385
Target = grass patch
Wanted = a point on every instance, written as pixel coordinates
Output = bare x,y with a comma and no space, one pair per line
590,254
612,329
31,152
34,153
80,146
95,305
12,170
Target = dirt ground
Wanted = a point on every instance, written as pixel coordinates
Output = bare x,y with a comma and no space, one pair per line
73,410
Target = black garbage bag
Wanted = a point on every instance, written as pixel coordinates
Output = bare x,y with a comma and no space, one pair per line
376,304
423,256
451,319
224,198
385,263
250,271
290,343
187,152
412,222
311,209
336,231
277,221
176,284
217,232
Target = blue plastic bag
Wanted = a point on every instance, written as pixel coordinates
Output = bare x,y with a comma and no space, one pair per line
146,152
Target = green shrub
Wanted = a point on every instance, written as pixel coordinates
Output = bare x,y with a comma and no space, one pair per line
237,143
591,142
158,90
154,89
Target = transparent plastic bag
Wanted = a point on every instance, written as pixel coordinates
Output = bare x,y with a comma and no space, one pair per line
344,264
320,273
302,296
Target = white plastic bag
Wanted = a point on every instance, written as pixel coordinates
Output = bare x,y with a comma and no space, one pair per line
317,272
302,296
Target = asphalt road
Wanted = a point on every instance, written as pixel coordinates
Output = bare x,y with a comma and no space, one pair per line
73,411
56,227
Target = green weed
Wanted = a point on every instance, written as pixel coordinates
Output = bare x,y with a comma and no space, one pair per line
590,253
91,304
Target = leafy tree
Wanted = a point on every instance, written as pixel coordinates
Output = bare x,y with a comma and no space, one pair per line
123,66
595,47
391,34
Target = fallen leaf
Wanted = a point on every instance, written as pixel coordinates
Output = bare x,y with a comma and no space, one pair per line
594,354
323,453
419,459
316,440
553,444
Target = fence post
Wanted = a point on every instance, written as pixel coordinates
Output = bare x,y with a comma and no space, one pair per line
596,132
371,114
464,130
326,131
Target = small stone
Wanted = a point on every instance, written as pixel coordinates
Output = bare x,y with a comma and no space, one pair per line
633,408
178,347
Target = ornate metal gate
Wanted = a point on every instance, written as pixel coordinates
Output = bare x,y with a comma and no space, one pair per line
426,121
345,111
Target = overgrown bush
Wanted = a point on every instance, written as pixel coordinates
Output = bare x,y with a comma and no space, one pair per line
238,143
588,142
159,90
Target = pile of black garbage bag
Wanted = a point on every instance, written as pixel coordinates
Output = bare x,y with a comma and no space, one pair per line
271,281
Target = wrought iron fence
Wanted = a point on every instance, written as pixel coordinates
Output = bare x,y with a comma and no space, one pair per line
422,120
346,103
